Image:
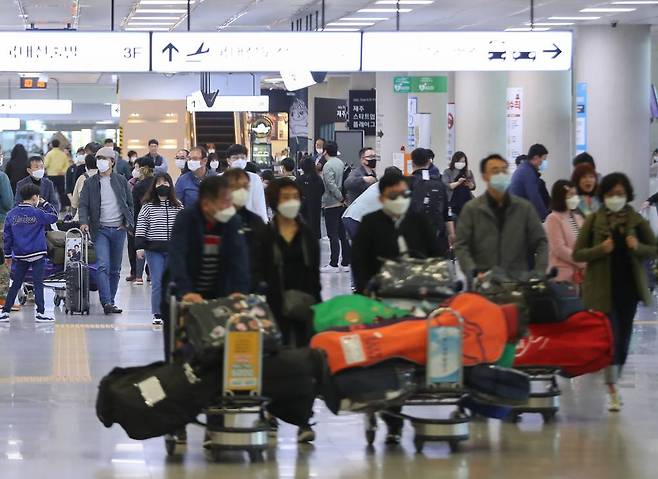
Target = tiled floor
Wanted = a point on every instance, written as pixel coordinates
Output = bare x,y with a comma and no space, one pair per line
48,428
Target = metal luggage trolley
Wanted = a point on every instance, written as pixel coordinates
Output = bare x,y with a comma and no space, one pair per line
443,388
236,421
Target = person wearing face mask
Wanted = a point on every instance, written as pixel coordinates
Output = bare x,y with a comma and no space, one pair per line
460,182
562,227
237,158
140,182
499,230
187,185
37,172
362,177
527,182
91,169
614,242
318,154
72,173
213,161
154,225
312,188
181,160
106,213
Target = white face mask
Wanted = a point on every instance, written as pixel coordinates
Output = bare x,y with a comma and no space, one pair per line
79,159
319,151
214,165
103,165
460,165
38,174
239,163
224,216
397,207
573,202
240,197
180,164
193,165
136,174
289,209
615,203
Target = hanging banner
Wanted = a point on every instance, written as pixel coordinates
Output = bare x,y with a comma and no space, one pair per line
514,125
363,111
581,117
451,130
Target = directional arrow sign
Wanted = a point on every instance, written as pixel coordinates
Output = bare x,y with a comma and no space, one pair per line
466,51
209,97
171,49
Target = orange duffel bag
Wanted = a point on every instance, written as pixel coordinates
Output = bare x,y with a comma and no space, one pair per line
485,335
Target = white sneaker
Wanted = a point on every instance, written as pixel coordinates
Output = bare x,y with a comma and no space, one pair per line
157,320
614,401
330,269
4,317
42,318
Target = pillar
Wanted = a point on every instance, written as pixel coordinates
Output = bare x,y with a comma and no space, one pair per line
547,109
480,126
392,119
616,65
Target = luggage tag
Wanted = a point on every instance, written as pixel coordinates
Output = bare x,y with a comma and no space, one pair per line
444,351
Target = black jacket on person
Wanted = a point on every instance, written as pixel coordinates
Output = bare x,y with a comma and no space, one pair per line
312,188
139,191
16,170
377,238
186,254
268,267
253,228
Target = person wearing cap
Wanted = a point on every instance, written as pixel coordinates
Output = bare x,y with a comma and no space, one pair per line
237,158
106,213
36,171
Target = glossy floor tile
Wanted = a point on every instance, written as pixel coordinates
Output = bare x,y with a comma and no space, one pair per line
48,428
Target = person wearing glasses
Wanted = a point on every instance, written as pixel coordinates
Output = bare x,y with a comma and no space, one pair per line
362,177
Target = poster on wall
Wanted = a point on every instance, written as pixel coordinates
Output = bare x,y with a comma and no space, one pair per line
451,130
412,109
514,124
581,117
363,111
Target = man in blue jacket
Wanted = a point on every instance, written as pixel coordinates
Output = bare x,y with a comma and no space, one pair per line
187,185
25,241
527,182
47,188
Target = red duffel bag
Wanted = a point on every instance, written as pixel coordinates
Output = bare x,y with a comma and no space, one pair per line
580,345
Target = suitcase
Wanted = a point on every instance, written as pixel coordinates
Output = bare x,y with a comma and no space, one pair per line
417,278
493,411
496,385
77,288
580,345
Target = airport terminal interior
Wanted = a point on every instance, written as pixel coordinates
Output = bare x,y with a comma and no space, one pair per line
400,94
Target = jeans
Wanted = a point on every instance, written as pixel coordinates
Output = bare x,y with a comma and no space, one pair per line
621,320
21,269
109,251
338,242
156,261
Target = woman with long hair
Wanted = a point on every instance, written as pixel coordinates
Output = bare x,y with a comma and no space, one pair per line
153,232
460,182
16,168
312,188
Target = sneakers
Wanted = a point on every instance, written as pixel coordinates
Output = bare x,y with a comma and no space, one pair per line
393,436
157,320
111,309
330,269
614,401
42,318
130,279
305,434
138,282
4,317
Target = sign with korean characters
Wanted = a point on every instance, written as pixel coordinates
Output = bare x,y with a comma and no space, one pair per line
113,52
424,84
362,111
256,51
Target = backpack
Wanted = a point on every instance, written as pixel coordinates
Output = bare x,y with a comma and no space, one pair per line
346,175
429,198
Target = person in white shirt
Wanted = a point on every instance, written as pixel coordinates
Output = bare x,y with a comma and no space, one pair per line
237,158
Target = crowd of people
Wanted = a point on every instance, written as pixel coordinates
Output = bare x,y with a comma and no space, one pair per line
221,228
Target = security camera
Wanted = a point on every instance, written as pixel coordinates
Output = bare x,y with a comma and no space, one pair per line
614,23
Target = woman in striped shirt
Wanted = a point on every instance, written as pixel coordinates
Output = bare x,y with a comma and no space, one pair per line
562,227
153,232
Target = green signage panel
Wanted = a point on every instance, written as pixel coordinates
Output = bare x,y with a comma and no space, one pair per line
431,84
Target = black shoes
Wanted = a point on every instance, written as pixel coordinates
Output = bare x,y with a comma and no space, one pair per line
111,309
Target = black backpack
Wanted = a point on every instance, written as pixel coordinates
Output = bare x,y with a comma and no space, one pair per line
429,198
346,175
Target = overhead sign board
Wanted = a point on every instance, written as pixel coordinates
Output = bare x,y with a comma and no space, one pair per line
466,51
256,52
196,103
36,107
113,52
425,84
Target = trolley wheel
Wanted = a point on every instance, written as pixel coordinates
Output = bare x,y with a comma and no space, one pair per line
454,446
170,445
256,456
419,444
371,428
370,436
57,301
66,311
216,454
549,417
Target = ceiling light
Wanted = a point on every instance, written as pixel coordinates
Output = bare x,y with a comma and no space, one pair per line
161,10
155,18
364,19
574,18
384,10
273,80
340,30
350,24
526,29
645,2
404,2
552,24
607,10
147,29
151,23
166,2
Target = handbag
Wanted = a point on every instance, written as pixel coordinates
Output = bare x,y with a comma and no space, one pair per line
417,278
297,305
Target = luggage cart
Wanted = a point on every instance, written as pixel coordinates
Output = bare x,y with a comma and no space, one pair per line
236,421
544,394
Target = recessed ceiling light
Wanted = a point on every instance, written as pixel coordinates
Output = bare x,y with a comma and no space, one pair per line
161,10
526,29
607,10
404,2
574,18
273,80
552,24
364,19
155,18
384,10
147,29
645,2
148,24
166,2
350,24
340,30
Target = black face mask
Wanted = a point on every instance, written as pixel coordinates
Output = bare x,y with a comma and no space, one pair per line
371,164
163,191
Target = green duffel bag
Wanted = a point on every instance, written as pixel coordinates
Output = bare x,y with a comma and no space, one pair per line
351,310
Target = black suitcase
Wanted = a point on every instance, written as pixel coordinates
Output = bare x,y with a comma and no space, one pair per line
77,288
497,385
